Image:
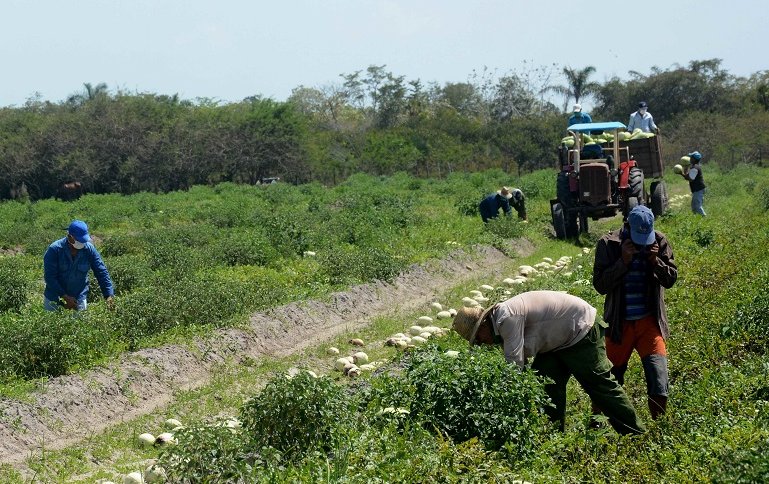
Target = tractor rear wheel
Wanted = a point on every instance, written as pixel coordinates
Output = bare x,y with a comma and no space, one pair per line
659,198
558,220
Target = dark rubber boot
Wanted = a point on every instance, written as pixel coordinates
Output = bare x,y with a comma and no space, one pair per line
658,404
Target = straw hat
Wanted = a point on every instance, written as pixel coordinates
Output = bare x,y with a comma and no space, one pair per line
468,320
506,192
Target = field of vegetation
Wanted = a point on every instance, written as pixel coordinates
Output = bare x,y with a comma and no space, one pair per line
187,262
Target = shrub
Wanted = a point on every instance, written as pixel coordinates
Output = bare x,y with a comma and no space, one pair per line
246,247
349,264
749,324
206,453
747,465
128,273
193,300
297,415
478,395
122,244
15,284
289,233
762,194
42,343
467,204
505,227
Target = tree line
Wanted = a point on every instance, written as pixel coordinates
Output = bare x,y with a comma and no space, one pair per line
371,121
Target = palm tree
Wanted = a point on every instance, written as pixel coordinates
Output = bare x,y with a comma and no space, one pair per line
579,86
89,93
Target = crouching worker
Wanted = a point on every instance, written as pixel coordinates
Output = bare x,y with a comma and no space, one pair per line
506,199
559,331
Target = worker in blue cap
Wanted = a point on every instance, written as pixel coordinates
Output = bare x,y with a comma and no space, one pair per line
693,174
66,264
633,267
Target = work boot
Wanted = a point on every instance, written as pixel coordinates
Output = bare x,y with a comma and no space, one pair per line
657,405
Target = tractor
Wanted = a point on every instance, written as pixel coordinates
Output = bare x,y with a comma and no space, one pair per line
598,179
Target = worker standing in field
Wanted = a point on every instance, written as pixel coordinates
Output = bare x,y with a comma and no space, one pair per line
642,119
506,199
578,116
693,174
66,264
559,331
633,267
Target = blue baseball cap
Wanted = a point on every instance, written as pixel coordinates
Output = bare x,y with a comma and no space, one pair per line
641,221
695,155
79,230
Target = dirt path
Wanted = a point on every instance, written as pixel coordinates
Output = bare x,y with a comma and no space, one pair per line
73,407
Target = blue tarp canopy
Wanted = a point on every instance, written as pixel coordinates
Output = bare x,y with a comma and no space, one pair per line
596,126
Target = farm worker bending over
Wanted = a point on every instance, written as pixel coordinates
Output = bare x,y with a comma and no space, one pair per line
578,116
633,266
642,119
693,174
66,264
559,331
504,199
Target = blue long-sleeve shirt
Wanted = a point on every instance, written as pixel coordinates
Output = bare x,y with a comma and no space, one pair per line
580,117
490,206
67,276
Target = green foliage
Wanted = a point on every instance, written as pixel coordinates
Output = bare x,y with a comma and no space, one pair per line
193,300
41,343
297,415
128,273
208,453
748,326
14,284
505,227
122,244
702,236
744,466
467,203
762,194
479,395
246,247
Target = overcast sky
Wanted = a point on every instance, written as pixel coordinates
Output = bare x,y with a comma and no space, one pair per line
230,49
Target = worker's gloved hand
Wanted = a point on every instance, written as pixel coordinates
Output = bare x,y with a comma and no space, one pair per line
652,251
628,251
69,302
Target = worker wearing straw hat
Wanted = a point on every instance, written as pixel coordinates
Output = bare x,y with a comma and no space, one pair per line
558,330
506,199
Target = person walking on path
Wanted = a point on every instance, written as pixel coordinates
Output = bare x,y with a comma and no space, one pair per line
633,267
693,174
559,331
66,264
